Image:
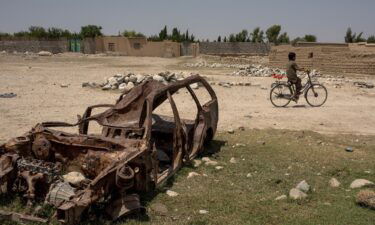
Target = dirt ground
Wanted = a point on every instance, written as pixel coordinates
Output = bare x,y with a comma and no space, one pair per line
37,80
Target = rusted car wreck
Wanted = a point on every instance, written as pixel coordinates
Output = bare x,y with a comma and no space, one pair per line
136,151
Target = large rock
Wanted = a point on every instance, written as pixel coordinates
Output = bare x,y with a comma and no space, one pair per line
303,186
171,193
112,81
122,87
140,78
296,194
129,86
158,78
44,53
359,183
74,178
133,78
333,182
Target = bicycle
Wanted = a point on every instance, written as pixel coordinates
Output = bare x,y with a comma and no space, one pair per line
283,92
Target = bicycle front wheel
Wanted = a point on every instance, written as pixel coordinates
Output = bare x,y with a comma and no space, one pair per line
281,95
316,95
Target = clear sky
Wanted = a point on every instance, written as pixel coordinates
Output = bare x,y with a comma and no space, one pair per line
327,19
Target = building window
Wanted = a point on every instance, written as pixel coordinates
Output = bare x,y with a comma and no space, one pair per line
111,47
137,45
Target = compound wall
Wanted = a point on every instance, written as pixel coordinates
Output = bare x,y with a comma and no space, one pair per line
327,58
23,45
233,48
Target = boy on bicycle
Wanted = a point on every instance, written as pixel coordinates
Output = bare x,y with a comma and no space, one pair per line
291,73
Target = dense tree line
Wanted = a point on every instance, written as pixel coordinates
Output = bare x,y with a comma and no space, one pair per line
273,35
56,33
176,36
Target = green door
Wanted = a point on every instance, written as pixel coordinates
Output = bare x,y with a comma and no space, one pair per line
75,45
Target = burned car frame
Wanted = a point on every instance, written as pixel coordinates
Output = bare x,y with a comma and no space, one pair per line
136,151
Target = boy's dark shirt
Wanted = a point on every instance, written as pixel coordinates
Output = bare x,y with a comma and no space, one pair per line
291,70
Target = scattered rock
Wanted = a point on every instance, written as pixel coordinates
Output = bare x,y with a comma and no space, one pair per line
303,186
8,95
231,131
360,183
249,175
333,182
192,174
197,163
281,197
295,194
362,84
206,159
233,160
44,53
171,193
64,85
366,198
194,86
219,167
202,211
159,208
211,163
74,178
349,149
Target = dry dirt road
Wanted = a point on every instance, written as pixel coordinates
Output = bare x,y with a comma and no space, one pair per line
36,81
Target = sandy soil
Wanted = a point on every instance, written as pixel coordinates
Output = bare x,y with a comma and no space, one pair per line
36,81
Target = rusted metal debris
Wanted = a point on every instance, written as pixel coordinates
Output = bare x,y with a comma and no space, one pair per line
121,162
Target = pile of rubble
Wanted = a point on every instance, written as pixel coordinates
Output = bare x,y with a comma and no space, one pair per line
257,71
125,82
362,84
214,65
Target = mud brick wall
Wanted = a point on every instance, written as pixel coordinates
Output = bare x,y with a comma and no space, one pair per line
88,46
328,59
54,46
233,48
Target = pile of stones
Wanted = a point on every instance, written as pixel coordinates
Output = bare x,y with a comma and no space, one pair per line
125,82
257,71
214,65
362,84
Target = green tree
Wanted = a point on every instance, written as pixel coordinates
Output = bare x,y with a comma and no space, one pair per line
186,38
242,36
359,38
90,31
132,33
225,39
273,33
257,36
37,32
192,38
349,36
5,35
310,38
55,33
21,34
219,39
163,35
283,38
371,39
176,35
232,38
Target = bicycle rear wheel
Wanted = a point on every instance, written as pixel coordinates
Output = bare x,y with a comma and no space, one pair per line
281,95
316,95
